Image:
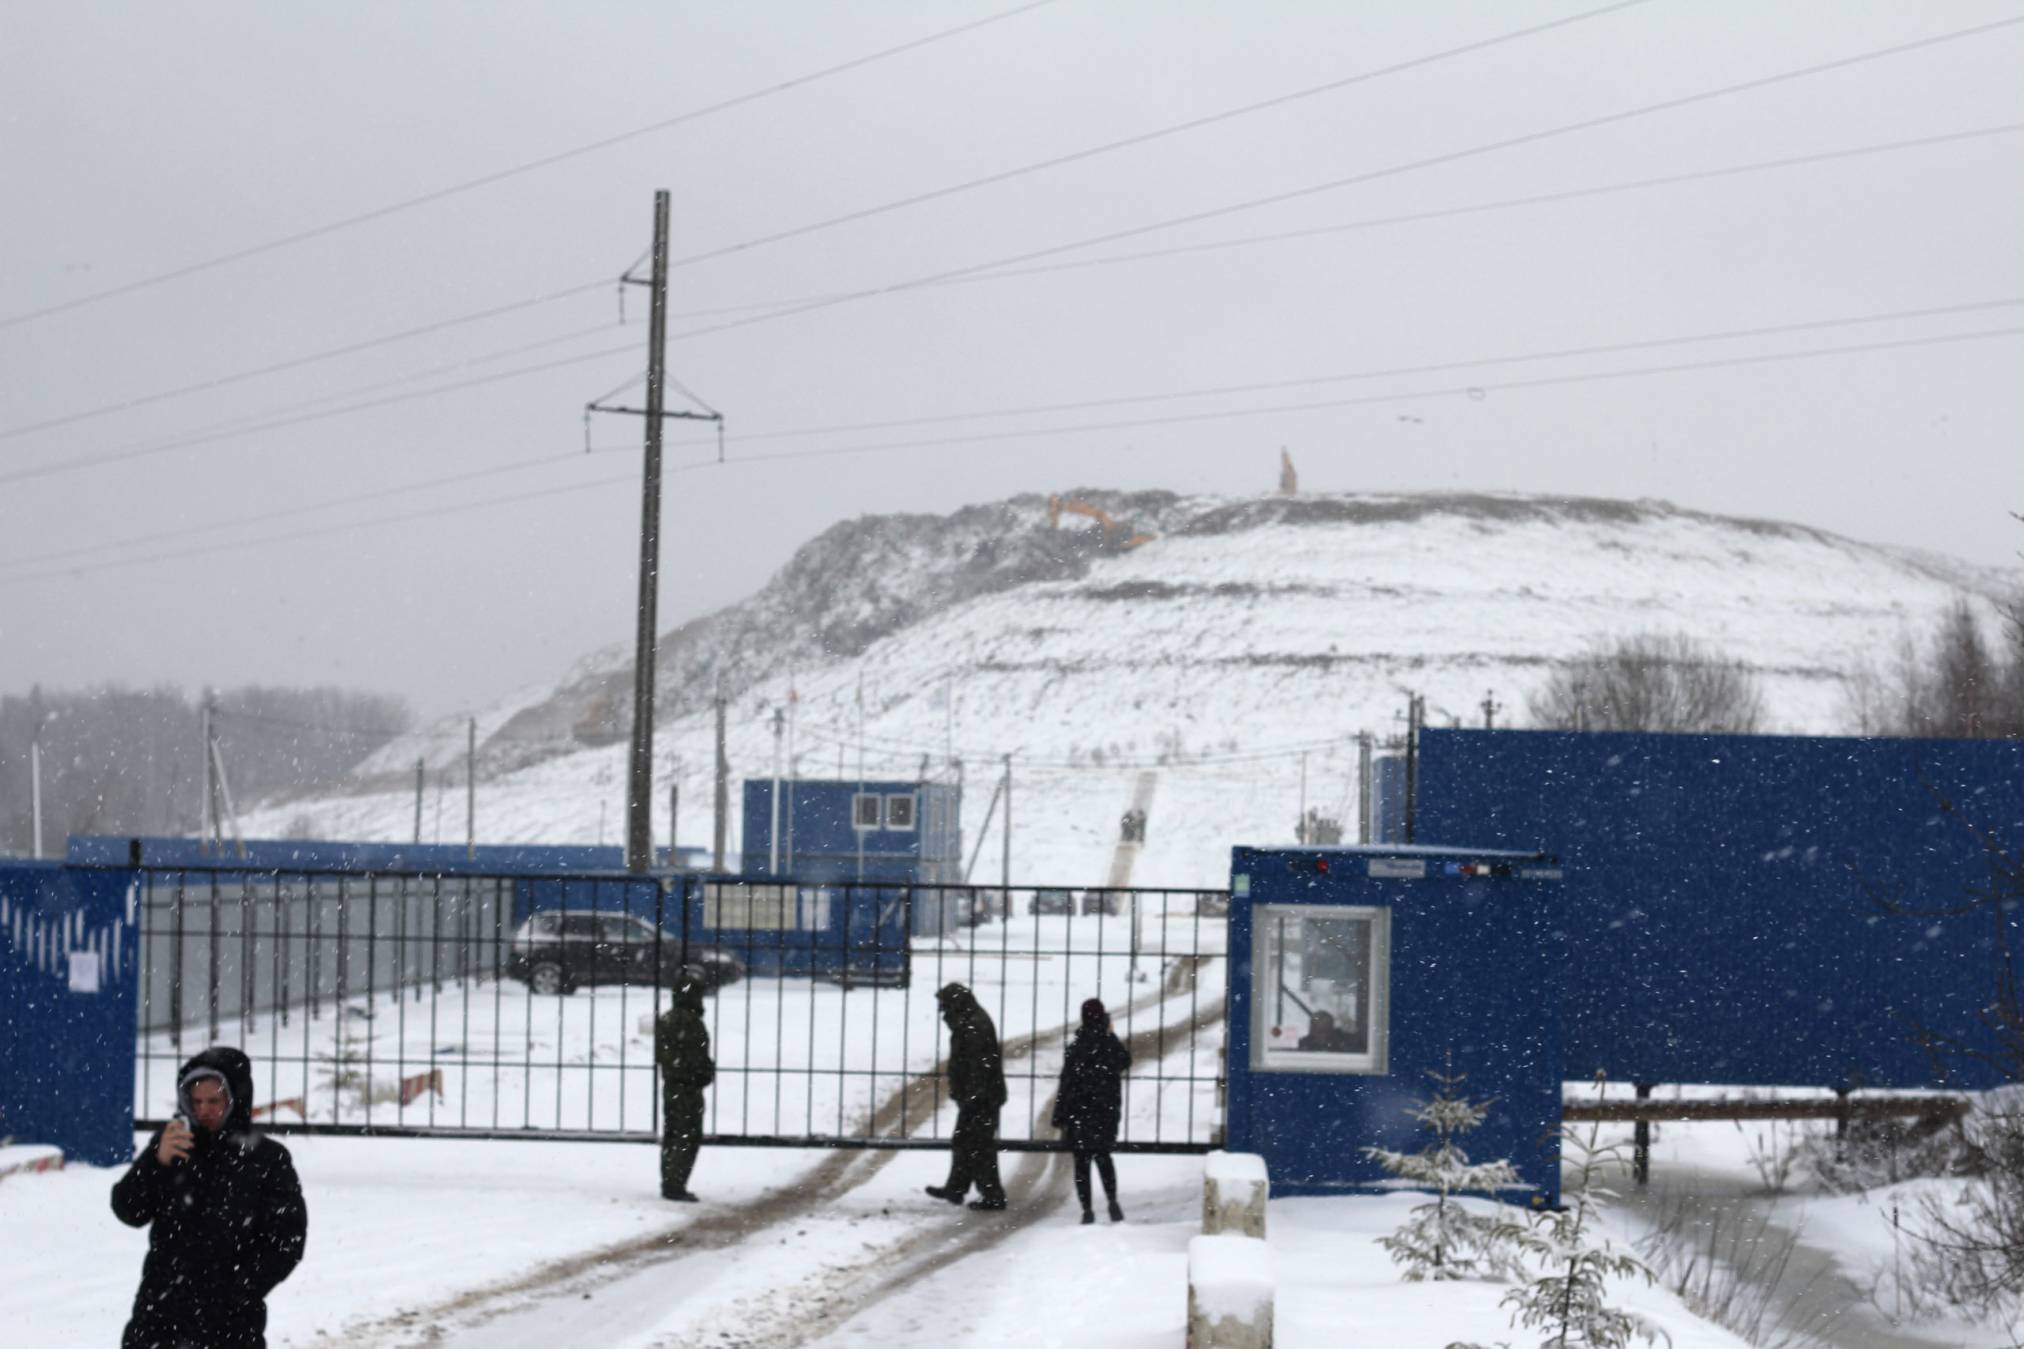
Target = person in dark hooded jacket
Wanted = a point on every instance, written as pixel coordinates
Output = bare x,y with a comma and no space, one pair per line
682,1051
977,1085
224,1211
1090,1102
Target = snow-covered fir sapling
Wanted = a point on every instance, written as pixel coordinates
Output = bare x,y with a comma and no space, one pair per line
1575,1259
1442,1239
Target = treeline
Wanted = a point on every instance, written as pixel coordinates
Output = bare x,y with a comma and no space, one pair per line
131,761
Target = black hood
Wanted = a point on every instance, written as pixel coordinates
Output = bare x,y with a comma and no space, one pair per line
237,1070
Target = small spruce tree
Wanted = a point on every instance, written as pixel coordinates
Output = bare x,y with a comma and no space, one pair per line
1576,1260
1442,1240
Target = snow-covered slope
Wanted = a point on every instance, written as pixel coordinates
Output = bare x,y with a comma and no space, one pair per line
1233,656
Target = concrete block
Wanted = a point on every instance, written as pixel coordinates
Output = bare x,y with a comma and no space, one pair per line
1234,1191
1231,1287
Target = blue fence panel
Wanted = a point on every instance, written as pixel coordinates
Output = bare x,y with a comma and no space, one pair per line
68,960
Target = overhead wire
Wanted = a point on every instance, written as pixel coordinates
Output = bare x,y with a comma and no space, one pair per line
1148,137
1150,421
501,175
1357,179
1405,218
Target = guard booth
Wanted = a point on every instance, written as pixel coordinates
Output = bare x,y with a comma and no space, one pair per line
1357,972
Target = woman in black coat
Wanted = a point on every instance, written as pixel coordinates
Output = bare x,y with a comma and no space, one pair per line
1090,1101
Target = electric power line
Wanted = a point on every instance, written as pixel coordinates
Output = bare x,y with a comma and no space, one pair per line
1452,391
486,180
1353,180
1406,218
1146,138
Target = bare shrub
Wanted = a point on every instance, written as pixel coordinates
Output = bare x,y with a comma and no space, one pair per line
1650,682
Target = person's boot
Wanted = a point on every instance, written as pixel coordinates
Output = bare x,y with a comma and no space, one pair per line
987,1205
1116,1213
1088,1217
679,1196
946,1194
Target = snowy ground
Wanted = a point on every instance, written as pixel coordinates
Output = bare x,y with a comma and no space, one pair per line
495,1245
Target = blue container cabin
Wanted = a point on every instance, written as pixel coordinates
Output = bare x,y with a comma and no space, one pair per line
1356,972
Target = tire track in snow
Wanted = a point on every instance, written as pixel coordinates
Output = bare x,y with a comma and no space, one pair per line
908,1107
810,1309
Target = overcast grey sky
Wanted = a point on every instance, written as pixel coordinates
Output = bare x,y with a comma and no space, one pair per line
140,138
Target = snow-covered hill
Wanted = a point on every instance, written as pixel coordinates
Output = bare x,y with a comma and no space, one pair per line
1234,655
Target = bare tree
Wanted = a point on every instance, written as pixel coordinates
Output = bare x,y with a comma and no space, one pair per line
1961,685
1650,682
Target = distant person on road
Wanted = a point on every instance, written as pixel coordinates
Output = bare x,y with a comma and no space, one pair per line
1090,1102
682,1053
224,1211
977,1084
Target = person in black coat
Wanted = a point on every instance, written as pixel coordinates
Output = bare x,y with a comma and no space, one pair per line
1090,1102
225,1213
977,1084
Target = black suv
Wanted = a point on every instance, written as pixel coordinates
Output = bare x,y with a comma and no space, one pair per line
558,952
1051,901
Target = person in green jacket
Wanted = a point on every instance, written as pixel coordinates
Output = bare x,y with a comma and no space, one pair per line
682,1052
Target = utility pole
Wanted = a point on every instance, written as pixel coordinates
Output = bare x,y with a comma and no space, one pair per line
471,790
419,774
1416,711
1301,832
1491,707
773,830
35,786
205,823
639,827
1005,872
723,821
1363,787
674,814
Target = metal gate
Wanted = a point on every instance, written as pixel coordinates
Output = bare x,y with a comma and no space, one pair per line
513,1005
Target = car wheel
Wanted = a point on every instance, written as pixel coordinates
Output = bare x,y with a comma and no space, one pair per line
547,980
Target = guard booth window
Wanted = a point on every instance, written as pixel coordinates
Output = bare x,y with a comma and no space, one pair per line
1319,1000
900,811
864,810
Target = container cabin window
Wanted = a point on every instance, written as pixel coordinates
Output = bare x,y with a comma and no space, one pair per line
864,810
1320,998
757,908
900,811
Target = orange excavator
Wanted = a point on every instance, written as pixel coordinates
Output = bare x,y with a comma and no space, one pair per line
1120,535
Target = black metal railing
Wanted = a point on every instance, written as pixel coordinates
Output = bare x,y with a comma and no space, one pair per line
507,1004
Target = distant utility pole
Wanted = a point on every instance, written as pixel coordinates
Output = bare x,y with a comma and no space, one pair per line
205,824
1416,716
35,787
1302,830
471,790
674,814
1364,785
419,774
639,827
723,821
773,830
1005,872
1491,707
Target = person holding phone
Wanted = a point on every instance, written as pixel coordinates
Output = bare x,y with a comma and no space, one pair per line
224,1210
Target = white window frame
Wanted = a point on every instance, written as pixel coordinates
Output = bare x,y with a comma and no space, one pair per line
857,811
912,812
1374,1060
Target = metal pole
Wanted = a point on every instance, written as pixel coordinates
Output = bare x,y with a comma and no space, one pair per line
723,821
1363,789
1415,710
773,830
35,786
471,790
1303,831
418,799
639,840
209,802
1005,871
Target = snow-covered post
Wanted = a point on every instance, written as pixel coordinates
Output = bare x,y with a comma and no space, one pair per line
1230,1290
1234,1191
